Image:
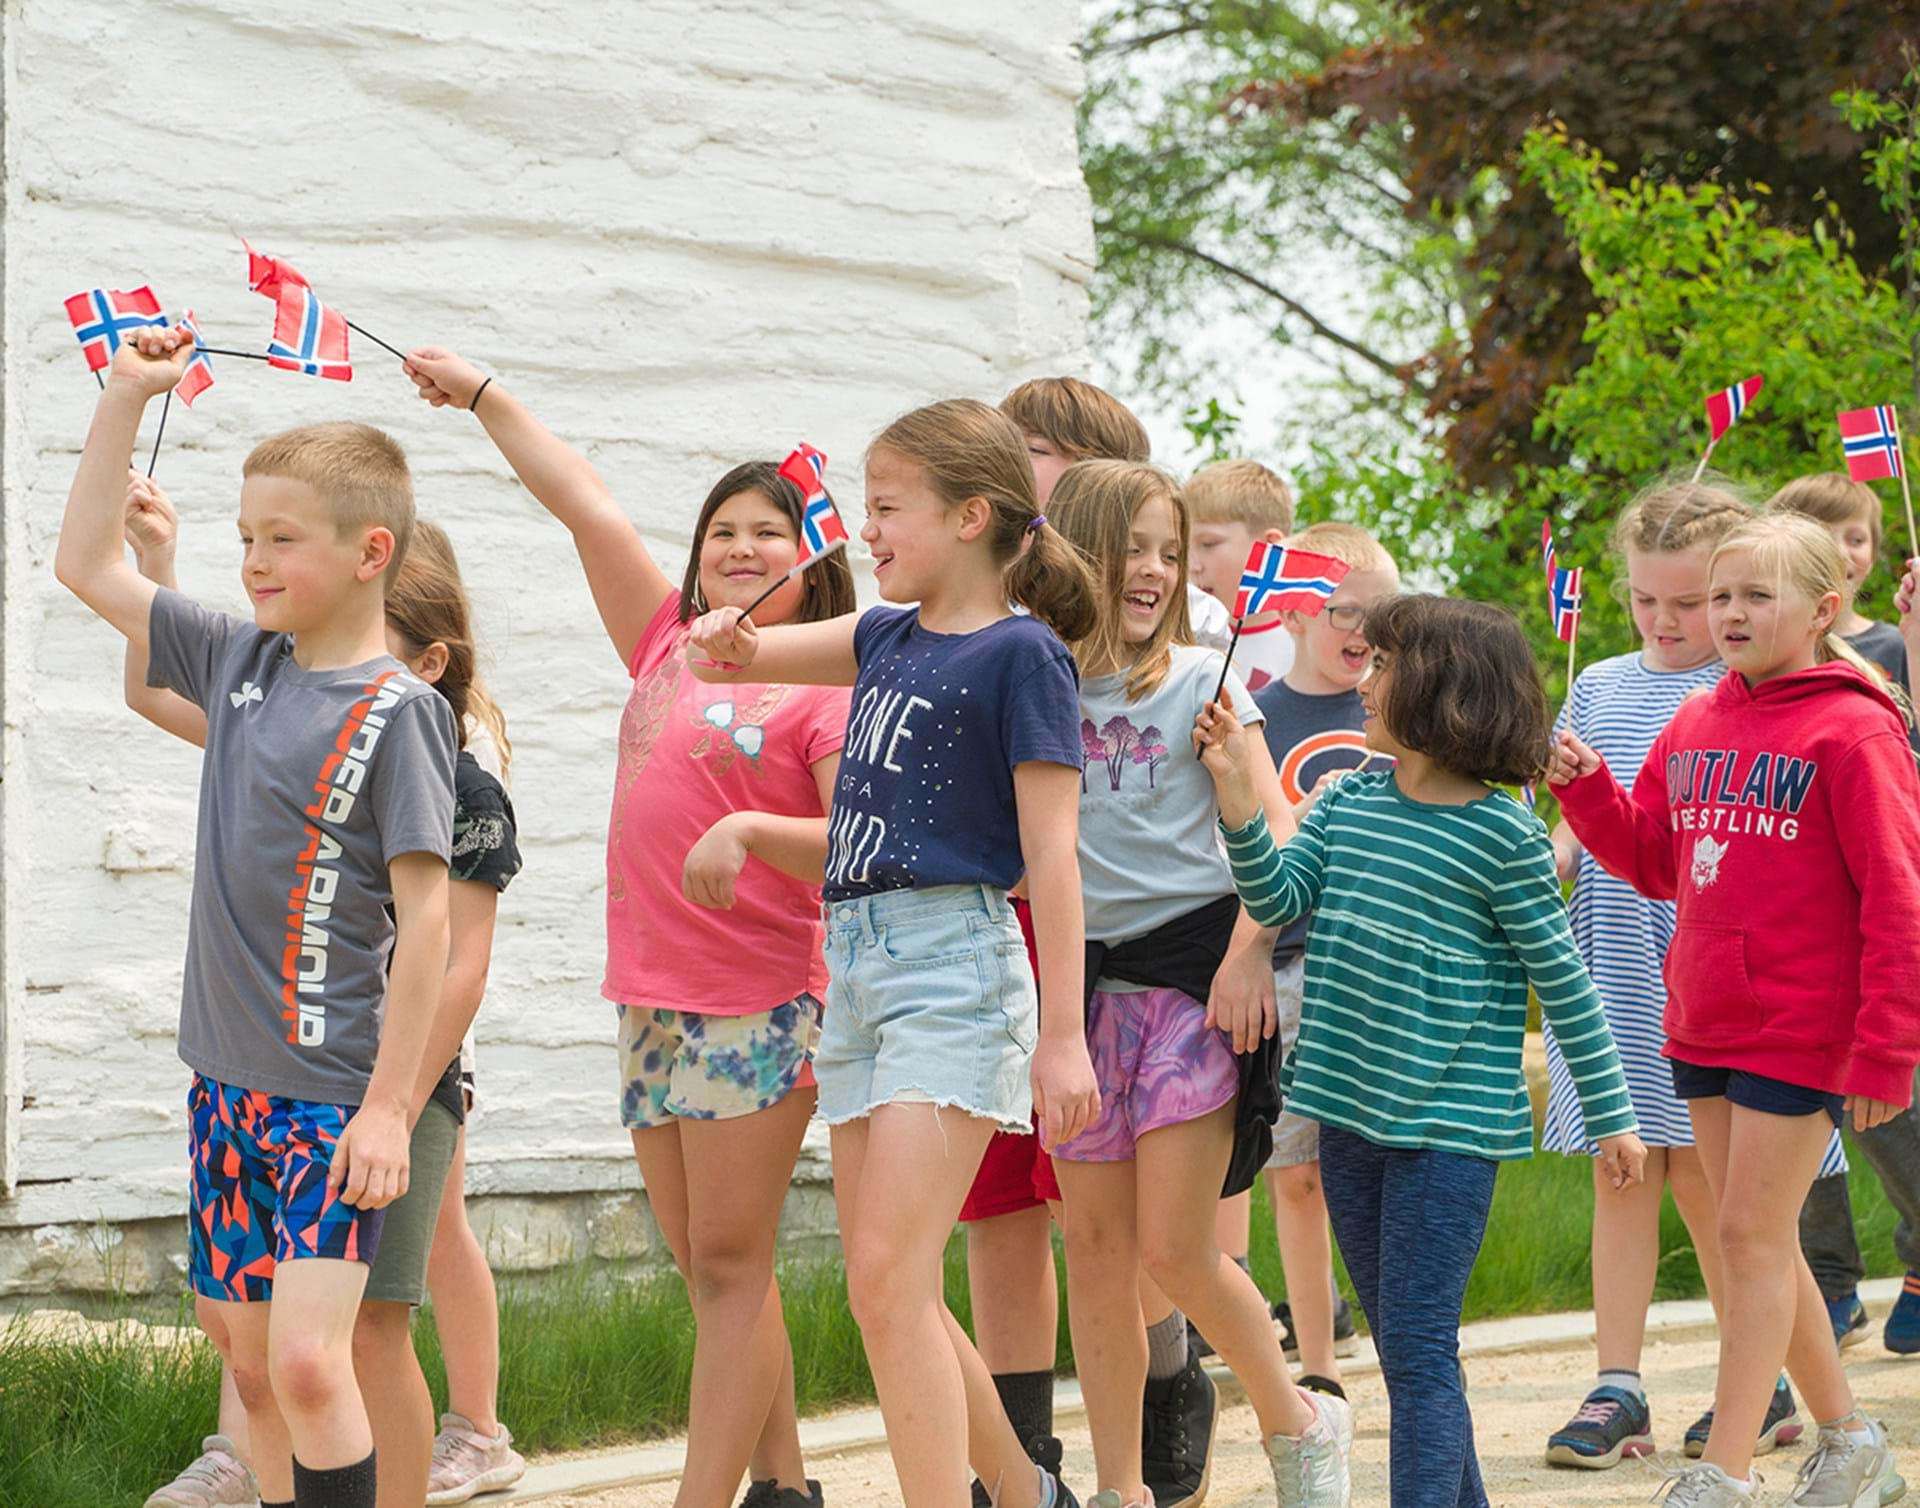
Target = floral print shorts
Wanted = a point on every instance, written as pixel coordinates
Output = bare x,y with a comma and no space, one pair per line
689,1065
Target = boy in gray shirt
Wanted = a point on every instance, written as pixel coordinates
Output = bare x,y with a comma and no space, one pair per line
327,793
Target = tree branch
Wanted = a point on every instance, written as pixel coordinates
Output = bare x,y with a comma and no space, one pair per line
1293,306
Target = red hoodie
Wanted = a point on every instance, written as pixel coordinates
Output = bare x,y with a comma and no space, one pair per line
1784,819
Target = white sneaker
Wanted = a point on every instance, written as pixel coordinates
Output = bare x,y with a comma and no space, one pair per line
466,1462
1704,1486
1310,1470
1844,1472
216,1479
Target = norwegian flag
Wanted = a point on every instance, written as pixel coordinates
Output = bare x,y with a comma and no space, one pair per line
1276,579
198,376
1546,547
1871,439
100,315
1564,595
307,335
1724,408
820,523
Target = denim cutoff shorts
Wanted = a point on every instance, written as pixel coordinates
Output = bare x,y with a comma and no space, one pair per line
930,1000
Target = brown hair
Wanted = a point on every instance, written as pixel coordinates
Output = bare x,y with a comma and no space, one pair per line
1345,542
427,604
1081,421
1831,498
969,450
1240,492
826,587
359,472
1463,688
1094,505
1797,550
1672,515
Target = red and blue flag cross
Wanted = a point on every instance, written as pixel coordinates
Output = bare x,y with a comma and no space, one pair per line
306,343
1870,438
820,522
198,376
1276,579
100,316
1564,596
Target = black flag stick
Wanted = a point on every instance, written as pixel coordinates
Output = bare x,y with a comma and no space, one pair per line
223,351
792,571
374,338
1231,644
164,409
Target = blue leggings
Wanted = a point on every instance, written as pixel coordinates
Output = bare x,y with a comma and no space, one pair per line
1410,1225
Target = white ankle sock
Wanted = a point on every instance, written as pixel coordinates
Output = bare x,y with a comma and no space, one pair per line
1623,1378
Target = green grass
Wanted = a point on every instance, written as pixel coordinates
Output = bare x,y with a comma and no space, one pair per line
586,1360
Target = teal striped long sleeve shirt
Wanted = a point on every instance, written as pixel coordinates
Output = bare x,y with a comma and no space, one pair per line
1429,923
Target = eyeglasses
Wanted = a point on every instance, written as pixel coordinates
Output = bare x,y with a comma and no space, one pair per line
1347,618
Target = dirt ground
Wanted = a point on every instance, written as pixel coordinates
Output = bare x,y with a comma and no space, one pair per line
1518,1399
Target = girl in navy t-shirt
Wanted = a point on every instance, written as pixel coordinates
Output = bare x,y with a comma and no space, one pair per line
961,773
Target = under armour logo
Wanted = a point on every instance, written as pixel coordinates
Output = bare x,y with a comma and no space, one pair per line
248,692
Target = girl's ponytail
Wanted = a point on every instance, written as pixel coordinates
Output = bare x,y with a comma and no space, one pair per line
426,604
1051,579
971,450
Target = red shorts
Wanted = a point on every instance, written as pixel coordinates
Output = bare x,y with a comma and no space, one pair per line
1015,1174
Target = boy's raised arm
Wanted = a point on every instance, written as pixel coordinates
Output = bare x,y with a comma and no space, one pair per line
628,586
91,560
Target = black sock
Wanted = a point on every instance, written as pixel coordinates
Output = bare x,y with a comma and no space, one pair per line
1028,1399
337,1487
265,1504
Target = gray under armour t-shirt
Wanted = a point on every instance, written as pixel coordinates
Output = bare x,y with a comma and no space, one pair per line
313,782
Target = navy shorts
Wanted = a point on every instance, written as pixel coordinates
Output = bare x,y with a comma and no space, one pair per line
1754,1090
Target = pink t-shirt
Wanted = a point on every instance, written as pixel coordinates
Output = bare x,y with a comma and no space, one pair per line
689,754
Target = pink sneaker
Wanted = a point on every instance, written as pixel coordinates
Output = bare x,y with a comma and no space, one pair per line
466,1462
217,1479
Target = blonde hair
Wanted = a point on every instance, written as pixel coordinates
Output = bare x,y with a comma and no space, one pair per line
427,604
1670,516
359,472
968,449
1797,551
1240,492
1094,505
1345,542
1079,420
1832,498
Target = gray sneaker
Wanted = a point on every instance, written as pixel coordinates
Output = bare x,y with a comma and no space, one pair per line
466,1462
1310,1470
1111,1499
216,1479
1704,1486
1846,1473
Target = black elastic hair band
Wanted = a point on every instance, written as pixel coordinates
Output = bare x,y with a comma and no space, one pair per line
476,395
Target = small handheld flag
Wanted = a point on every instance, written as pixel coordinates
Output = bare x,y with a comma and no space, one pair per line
198,376
1546,548
820,522
821,531
307,336
1564,595
1870,437
1724,408
101,316
1277,579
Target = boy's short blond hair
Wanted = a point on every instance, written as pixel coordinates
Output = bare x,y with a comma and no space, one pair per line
1345,542
1240,492
359,472
1831,498
1081,421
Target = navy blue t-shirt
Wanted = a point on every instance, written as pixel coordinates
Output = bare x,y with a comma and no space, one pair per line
925,792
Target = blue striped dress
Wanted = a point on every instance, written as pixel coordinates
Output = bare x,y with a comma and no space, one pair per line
1619,707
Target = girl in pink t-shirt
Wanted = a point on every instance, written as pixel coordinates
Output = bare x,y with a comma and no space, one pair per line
714,859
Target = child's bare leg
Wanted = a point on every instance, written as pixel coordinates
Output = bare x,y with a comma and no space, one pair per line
1179,1170
466,1306
1016,1297
1693,1197
270,1451
399,1407
1232,1225
776,1454
1306,1257
1760,1167
233,1413
1109,1340
310,1361
894,1248
1626,1257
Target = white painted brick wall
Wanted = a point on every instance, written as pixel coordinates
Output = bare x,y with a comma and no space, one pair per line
687,231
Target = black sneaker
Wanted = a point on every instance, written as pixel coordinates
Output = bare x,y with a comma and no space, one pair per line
1197,1344
1313,1382
1611,1425
1044,1451
1346,1341
1177,1420
770,1494
1782,1426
